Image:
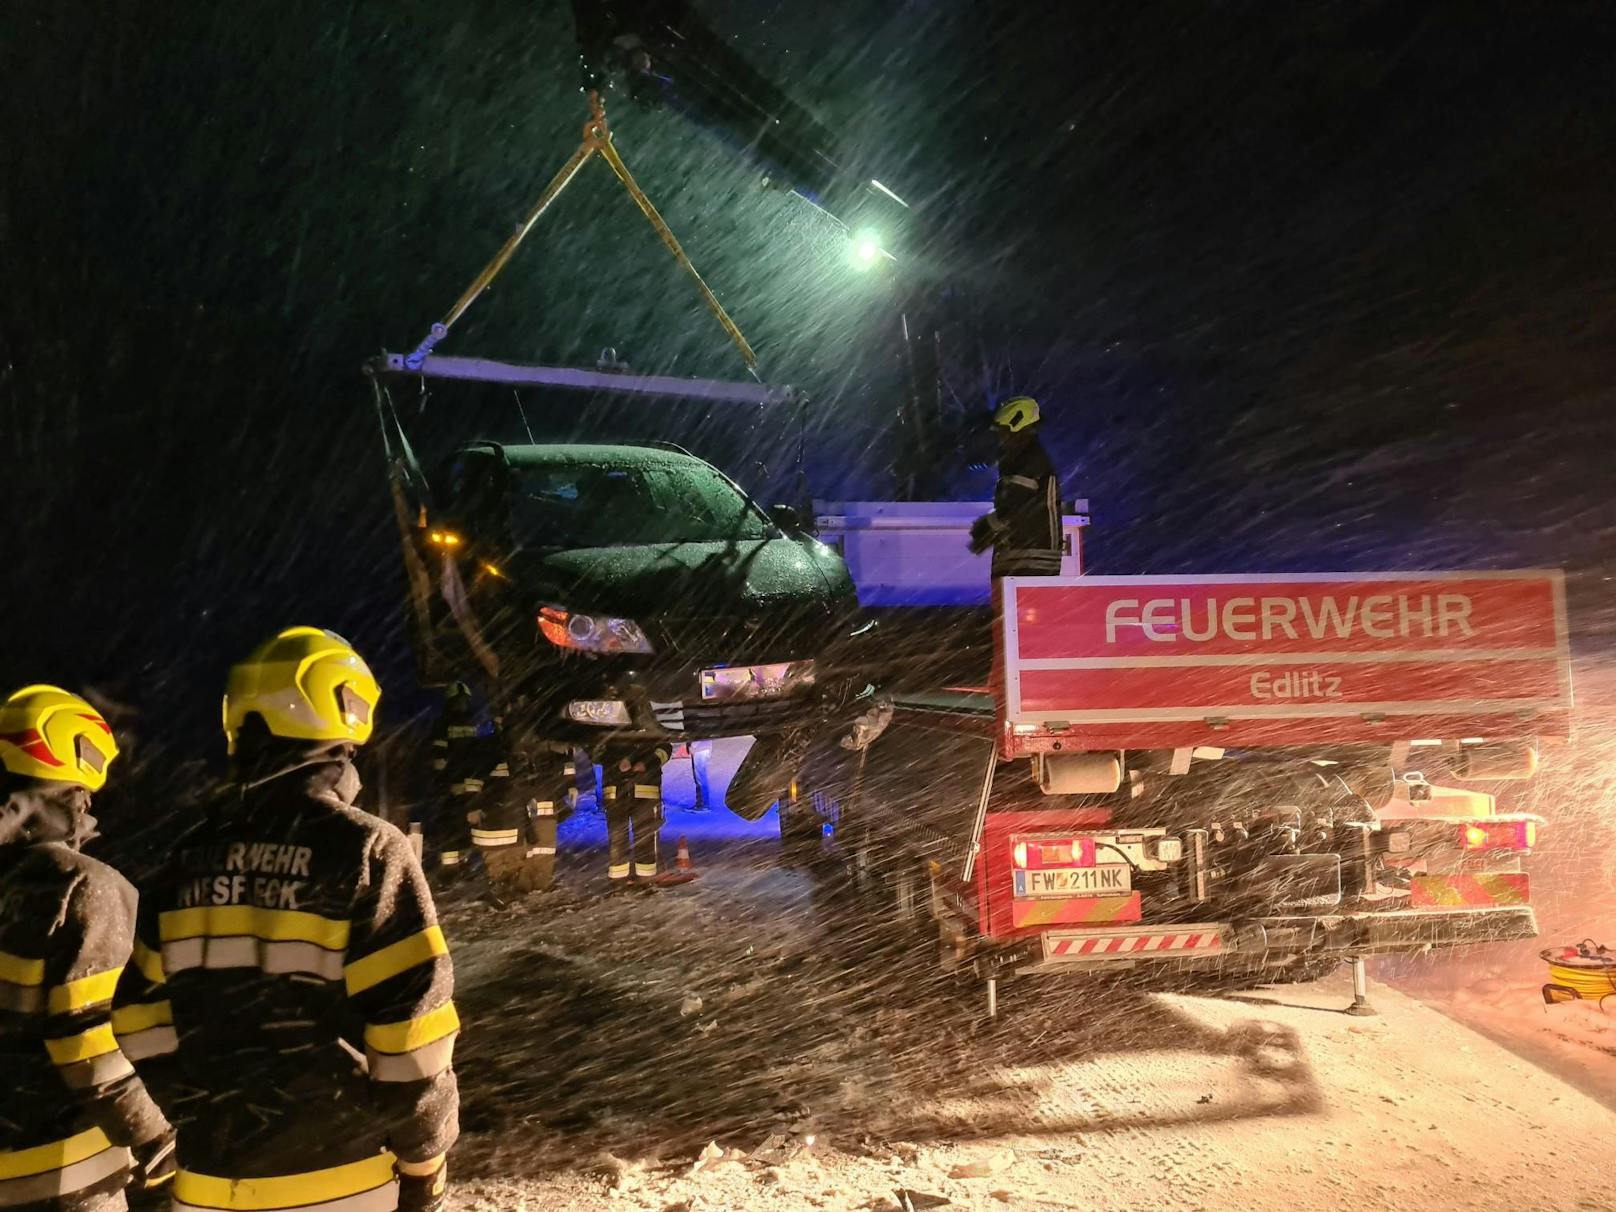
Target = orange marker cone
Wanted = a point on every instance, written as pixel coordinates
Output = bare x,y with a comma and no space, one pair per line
683,869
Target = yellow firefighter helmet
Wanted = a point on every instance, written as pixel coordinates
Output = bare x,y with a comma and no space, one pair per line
48,733
1016,413
305,684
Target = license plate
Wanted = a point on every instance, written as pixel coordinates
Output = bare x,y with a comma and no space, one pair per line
1113,880
740,682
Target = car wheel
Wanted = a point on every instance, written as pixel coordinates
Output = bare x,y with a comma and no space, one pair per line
765,774
800,830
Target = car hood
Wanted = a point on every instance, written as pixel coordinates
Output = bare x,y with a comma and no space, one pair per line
752,599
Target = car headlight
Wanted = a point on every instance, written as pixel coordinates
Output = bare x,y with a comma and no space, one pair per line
591,632
599,711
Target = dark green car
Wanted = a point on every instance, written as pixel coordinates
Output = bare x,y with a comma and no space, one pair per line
620,593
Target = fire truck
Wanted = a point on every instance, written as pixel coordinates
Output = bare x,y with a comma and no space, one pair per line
1235,778
1230,779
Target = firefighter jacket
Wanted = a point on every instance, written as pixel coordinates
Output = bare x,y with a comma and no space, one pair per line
291,998
526,793
464,748
471,770
71,1106
474,767
1026,517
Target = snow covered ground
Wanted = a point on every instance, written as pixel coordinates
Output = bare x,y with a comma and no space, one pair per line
1497,991
746,1042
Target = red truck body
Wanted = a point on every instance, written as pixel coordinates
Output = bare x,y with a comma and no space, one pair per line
1238,661
1264,737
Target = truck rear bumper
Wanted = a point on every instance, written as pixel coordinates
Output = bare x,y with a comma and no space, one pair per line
1280,941
1400,931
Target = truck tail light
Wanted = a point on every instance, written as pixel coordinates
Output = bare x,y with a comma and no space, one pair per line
1059,852
1498,835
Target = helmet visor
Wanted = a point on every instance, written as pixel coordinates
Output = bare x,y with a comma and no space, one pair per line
354,708
88,755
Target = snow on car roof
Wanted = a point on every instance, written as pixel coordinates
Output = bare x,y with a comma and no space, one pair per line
574,453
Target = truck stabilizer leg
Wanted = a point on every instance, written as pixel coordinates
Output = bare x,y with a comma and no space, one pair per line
1360,990
993,997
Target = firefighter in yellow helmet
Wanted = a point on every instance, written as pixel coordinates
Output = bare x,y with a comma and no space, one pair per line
1024,528
76,1124
293,945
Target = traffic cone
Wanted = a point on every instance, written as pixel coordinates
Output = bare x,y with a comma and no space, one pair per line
683,869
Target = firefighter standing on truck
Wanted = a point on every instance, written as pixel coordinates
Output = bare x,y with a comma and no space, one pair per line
633,795
76,1124
1024,528
292,990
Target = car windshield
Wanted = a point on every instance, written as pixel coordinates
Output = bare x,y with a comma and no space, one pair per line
596,505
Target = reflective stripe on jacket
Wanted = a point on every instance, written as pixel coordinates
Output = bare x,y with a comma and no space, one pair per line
70,1102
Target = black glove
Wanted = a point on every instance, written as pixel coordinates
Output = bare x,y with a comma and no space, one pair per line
153,1171
981,534
424,1192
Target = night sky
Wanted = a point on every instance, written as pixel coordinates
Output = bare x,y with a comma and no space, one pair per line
1302,287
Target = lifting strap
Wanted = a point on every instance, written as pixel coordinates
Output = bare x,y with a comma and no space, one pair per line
412,499
410,493
403,468
597,140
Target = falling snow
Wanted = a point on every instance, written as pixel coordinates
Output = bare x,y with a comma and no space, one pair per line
1301,291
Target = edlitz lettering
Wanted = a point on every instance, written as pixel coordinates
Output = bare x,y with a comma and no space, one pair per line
1295,684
